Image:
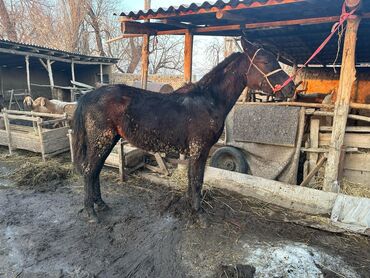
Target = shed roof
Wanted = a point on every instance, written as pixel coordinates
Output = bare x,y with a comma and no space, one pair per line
293,28
32,50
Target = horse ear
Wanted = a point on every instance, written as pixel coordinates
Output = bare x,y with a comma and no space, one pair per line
244,43
43,102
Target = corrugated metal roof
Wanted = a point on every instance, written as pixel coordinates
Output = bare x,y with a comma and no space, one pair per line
20,46
207,5
293,41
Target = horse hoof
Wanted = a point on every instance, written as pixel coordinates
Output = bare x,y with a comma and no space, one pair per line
91,216
102,207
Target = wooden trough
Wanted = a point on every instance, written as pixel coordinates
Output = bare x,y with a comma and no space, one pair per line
37,137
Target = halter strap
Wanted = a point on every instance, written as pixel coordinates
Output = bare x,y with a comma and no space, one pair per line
265,75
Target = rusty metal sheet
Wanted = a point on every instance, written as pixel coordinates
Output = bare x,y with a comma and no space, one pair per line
274,125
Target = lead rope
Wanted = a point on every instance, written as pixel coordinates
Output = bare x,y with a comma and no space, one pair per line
343,17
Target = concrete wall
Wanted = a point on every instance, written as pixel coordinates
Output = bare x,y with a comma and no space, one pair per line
176,81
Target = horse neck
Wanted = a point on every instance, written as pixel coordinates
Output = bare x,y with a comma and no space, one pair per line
226,82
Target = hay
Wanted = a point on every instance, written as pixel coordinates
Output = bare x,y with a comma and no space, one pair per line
355,189
180,177
39,174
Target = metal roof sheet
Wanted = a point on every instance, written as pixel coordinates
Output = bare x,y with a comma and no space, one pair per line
20,46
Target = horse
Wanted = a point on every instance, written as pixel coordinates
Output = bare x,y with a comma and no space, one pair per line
188,121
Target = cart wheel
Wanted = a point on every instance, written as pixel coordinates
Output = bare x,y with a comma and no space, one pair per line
229,158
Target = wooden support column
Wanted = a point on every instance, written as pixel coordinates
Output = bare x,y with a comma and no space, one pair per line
145,52
50,72
145,62
73,91
101,74
27,59
188,57
347,78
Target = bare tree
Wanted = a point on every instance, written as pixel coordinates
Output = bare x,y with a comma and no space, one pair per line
7,23
167,54
215,51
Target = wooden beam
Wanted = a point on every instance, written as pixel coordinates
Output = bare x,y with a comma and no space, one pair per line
133,27
346,81
27,59
236,27
225,15
188,57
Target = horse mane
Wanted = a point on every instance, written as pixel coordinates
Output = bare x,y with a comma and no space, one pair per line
210,77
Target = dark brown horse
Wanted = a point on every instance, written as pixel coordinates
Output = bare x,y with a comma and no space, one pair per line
187,121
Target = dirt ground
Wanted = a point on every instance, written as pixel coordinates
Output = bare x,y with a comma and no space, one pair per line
149,233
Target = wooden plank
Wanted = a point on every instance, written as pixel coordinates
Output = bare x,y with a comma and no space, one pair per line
36,114
358,162
299,104
347,79
313,171
314,142
361,177
56,145
294,197
359,129
350,140
56,133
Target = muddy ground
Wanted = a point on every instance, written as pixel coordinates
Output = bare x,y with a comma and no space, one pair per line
149,233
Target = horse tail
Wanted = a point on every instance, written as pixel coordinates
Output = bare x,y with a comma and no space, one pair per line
79,138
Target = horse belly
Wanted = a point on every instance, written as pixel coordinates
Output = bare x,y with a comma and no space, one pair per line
155,142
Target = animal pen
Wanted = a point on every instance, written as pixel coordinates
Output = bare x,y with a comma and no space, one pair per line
335,137
31,70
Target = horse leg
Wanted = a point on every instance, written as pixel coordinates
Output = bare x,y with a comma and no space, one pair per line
197,164
98,151
100,204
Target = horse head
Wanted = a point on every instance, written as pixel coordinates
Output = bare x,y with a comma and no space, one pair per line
265,73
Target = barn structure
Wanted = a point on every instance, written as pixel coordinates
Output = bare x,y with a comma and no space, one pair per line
27,69
293,30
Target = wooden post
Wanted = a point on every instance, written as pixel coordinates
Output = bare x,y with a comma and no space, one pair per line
145,53
188,56
39,129
145,62
73,91
121,160
8,131
50,72
347,78
314,142
101,74
27,58
70,144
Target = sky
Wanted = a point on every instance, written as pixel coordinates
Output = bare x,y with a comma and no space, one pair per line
200,63
134,5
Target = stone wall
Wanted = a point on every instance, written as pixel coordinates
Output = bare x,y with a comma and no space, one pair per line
176,81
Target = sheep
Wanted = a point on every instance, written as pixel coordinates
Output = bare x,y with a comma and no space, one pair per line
44,105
